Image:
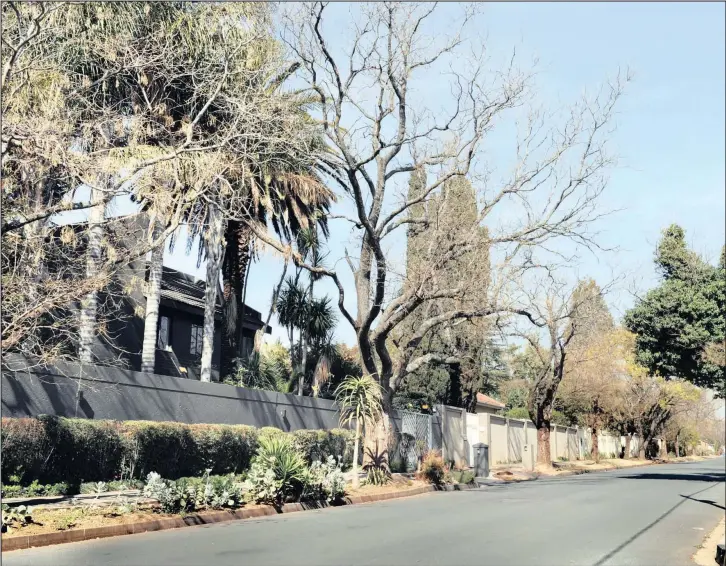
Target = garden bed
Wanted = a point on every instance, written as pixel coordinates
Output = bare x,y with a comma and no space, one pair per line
56,526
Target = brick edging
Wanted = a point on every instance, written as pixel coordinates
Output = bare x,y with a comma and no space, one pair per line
193,519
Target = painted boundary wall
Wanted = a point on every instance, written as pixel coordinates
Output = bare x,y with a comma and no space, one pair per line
98,392
507,437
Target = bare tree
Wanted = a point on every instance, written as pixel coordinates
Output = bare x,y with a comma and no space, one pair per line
380,132
561,312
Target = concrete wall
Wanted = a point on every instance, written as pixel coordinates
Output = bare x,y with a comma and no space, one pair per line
97,392
455,443
515,440
498,453
507,437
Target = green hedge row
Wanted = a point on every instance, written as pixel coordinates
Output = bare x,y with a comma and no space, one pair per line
56,449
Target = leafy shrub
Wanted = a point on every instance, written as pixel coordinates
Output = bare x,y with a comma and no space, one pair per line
462,476
398,466
319,445
433,468
77,451
191,494
16,516
377,475
35,489
25,446
55,449
518,413
278,458
325,480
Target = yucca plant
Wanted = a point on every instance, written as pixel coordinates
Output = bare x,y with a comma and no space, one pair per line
277,453
359,400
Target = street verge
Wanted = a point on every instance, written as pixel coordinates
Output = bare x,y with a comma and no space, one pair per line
19,542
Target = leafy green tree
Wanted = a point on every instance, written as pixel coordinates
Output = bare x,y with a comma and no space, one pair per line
678,323
359,401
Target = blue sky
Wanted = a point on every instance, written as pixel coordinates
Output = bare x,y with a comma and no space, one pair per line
670,134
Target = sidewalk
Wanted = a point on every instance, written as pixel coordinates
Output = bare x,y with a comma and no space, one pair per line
516,472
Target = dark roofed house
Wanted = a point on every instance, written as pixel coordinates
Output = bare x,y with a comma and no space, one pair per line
181,319
181,314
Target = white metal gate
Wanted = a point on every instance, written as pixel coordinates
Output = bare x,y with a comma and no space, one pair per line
416,438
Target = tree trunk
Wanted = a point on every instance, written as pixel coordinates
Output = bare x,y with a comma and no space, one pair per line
595,445
151,318
235,269
544,456
356,479
89,303
304,341
626,454
232,295
376,443
214,263
678,434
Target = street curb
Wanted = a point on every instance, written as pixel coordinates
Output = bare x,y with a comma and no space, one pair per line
191,520
579,472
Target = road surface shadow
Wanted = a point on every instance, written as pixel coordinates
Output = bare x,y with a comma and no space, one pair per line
645,529
709,477
706,501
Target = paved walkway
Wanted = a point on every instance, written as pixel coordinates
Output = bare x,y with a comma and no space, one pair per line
656,515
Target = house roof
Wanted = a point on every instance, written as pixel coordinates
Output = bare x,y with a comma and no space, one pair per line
186,289
482,399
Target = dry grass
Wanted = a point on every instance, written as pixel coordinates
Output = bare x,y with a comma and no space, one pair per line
397,483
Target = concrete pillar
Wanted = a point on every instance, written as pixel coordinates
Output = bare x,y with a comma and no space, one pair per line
526,440
489,433
554,441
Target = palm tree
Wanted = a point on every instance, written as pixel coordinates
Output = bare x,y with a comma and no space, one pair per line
313,319
153,296
359,400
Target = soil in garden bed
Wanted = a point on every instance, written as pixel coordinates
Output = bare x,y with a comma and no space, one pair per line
52,520
56,520
397,483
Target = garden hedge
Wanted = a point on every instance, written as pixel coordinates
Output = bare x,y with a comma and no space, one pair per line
56,449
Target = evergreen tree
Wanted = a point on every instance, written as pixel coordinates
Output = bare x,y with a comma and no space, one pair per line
677,323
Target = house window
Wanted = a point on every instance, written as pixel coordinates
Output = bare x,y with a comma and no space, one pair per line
163,341
246,346
195,345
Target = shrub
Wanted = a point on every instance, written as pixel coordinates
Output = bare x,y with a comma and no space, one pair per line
36,489
377,475
16,516
462,476
518,413
224,449
191,494
75,451
319,445
433,468
25,447
278,472
325,480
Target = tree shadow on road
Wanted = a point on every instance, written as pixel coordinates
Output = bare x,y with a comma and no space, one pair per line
706,501
707,477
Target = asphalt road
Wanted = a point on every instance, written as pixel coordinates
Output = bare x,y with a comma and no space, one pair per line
655,515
